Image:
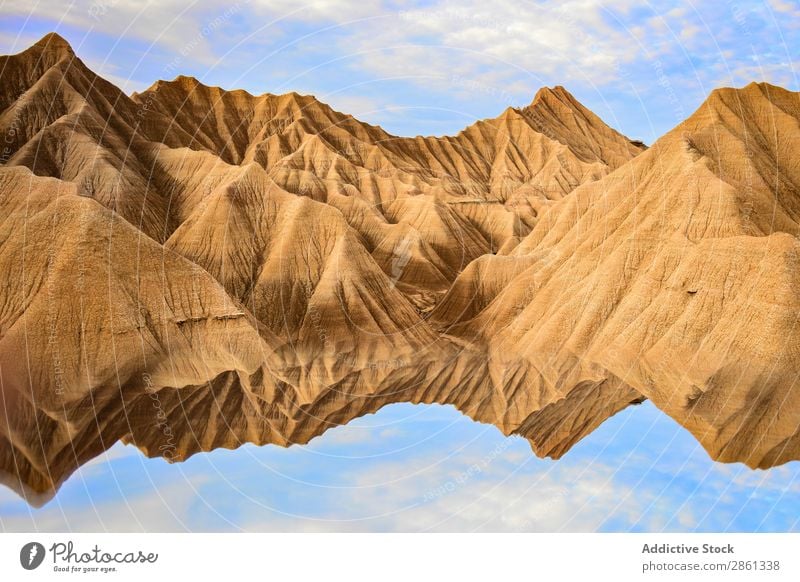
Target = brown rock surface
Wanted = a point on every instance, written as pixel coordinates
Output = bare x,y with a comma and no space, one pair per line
192,268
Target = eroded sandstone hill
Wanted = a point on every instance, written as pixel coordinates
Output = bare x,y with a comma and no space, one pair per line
262,268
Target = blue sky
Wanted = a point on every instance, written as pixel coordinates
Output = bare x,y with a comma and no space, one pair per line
427,468
433,67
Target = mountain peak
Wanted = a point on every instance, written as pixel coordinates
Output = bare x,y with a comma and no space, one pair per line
558,115
188,82
760,90
54,42
184,82
554,94
739,105
557,103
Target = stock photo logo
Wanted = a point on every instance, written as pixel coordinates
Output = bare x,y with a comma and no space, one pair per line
32,555
67,557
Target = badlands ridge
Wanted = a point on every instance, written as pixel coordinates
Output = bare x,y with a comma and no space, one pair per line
190,268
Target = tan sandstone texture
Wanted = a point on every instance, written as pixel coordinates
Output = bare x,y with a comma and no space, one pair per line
191,268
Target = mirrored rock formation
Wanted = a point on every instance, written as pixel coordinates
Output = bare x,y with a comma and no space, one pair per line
190,268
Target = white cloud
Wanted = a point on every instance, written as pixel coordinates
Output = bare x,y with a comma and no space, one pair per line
785,8
168,509
424,480
466,492
571,38
510,46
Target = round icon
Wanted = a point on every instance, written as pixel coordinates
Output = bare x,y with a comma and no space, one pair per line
31,555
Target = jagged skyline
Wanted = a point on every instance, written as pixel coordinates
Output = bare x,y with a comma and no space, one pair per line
266,268
436,68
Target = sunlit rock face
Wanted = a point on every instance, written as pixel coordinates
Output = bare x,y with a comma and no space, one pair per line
191,268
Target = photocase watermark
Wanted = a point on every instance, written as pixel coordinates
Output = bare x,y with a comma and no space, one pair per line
455,15
168,449
65,557
316,321
54,339
463,477
740,14
100,8
477,87
664,82
391,364
10,137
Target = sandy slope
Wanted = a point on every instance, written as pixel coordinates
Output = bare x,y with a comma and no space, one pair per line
192,268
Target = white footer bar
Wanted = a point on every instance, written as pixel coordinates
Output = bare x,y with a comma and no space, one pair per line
406,557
